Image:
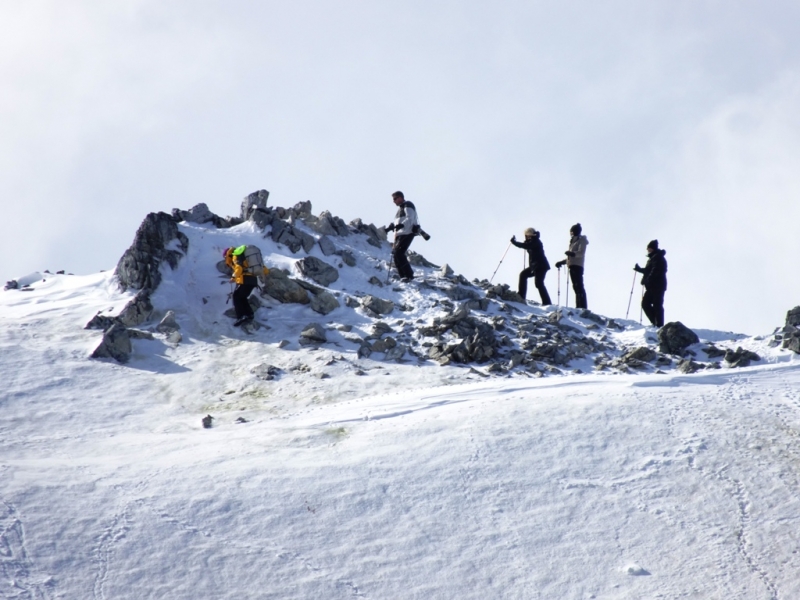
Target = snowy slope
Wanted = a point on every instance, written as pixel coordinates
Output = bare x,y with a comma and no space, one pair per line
383,479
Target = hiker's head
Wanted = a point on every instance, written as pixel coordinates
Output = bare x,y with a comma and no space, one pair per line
652,246
398,198
530,232
576,229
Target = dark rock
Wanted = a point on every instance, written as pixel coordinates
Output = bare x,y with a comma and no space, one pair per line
101,322
138,334
740,357
503,292
792,342
265,372
284,233
116,344
793,317
139,266
688,366
168,324
675,338
207,421
713,352
384,344
262,217
348,258
326,245
317,270
11,285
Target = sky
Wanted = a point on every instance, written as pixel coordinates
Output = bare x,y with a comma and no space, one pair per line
675,121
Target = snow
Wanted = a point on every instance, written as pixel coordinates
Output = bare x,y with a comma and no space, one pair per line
409,480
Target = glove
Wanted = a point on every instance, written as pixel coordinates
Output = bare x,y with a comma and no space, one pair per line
415,229
560,264
513,238
570,254
389,228
637,268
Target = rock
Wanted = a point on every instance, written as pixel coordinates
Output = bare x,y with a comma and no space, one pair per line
740,357
137,311
326,245
314,333
375,281
11,285
377,305
675,337
384,344
101,322
395,353
262,217
265,372
317,270
713,352
688,366
199,213
642,354
364,350
587,314
324,303
446,271
116,344
255,200
168,323
375,235
284,233
793,317
138,334
285,290
792,342
174,337
207,421
348,258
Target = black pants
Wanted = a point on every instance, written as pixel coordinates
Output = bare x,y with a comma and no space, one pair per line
401,244
576,275
240,295
653,306
538,279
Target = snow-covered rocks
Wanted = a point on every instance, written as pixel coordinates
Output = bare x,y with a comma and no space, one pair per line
675,338
317,270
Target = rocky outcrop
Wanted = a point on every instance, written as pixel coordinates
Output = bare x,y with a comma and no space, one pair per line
377,305
200,213
284,289
253,201
324,302
290,236
740,357
675,338
156,241
313,333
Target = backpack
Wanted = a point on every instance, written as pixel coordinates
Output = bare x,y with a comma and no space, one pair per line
250,256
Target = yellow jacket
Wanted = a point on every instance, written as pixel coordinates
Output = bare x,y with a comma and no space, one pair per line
238,263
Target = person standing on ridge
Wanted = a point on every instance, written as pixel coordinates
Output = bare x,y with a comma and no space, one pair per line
654,280
537,265
245,284
405,227
574,262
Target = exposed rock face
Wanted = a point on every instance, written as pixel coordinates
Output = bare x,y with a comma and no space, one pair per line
153,244
675,337
137,310
168,324
317,270
688,366
642,353
503,292
793,317
255,200
327,246
116,344
265,372
375,235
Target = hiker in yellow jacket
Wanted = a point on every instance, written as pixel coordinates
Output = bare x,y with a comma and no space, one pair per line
245,281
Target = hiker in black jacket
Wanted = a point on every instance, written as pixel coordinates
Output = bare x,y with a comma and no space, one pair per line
654,280
537,265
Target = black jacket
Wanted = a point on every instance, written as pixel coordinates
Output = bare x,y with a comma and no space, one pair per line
536,257
655,271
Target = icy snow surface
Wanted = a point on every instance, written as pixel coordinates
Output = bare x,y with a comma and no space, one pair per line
384,480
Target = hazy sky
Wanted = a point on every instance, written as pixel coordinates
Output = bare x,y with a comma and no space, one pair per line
676,120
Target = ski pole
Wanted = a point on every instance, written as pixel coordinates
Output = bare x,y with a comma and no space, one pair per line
566,304
633,285
501,262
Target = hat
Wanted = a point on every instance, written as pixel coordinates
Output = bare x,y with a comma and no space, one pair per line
530,231
576,229
653,244
225,252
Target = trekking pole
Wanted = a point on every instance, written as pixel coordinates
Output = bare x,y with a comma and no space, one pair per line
633,285
558,302
230,294
501,262
566,287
